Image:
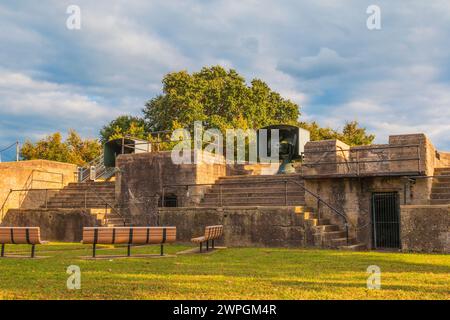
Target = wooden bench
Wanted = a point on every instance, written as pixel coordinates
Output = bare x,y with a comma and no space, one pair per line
20,235
211,233
129,236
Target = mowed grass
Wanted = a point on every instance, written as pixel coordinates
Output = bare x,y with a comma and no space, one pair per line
234,273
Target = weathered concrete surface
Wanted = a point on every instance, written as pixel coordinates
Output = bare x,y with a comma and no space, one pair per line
55,224
410,154
352,196
243,226
425,228
139,184
37,174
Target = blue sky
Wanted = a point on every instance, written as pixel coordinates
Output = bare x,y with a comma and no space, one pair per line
318,53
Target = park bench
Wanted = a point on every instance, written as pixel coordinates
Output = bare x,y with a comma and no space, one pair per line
20,235
211,233
129,236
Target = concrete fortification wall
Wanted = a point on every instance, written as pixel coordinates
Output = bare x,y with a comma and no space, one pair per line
33,174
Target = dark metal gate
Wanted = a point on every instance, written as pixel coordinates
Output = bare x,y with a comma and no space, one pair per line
386,220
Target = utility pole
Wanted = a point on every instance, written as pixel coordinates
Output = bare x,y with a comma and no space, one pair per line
17,151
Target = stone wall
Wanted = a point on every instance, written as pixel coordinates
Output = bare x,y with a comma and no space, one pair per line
141,177
442,160
425,228
33,174
352,196
249,226
410,154
55,224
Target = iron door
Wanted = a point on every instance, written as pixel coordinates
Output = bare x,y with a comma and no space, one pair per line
386,220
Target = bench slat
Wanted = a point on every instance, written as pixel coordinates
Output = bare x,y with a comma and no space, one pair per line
20,235
121,235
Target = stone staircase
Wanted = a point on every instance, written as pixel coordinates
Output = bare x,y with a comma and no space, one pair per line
97,197
271,190
328,235
257,190
440,192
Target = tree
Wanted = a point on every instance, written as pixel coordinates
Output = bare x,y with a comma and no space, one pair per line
122,126
74,150
352,134
220,99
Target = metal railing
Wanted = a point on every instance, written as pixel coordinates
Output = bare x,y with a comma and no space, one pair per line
28,186
357,159
32,179
138,144
286,181
101,171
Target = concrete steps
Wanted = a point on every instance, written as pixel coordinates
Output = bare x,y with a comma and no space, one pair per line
262,190
97,197
440,191
331,236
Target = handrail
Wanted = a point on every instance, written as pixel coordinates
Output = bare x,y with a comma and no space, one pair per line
318,198
46,181
355,159
4,203
106,203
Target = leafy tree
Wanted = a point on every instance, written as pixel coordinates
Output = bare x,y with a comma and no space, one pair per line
122,126
73,150
220,99
351,134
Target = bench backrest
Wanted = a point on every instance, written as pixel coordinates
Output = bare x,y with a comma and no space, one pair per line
20,235
213,232
129,235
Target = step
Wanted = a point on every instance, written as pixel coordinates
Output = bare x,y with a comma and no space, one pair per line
316,222
262,177
338,242
441,179
253,195
440,196
440,190
79,198
441,184
256,184
75,205
354,247
255,200
444,171
440,201
327,236
326,227
257,188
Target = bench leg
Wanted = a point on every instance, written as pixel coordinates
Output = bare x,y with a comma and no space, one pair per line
32,250
201,244
162,250
3,250
212,243
207,245
129,250
93,250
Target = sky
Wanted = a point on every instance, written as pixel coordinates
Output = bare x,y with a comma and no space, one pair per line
318,53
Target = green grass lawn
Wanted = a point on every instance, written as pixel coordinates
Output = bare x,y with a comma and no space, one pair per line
235,273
